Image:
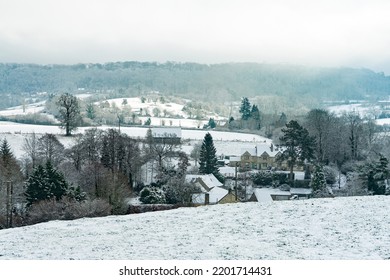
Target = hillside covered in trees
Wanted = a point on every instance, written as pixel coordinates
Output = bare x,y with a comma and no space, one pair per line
227,82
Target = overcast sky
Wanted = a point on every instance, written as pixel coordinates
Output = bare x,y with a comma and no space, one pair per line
324,32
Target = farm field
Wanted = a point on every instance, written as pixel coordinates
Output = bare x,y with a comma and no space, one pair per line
227,143
349,228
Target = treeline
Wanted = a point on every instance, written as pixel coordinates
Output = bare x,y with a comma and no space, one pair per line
326,144
94,177
91,178
221,81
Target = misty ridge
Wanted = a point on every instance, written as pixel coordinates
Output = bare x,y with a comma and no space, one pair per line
291,85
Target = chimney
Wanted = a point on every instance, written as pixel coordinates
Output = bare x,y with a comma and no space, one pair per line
272,147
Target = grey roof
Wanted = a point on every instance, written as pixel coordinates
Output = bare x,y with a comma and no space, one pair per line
260,149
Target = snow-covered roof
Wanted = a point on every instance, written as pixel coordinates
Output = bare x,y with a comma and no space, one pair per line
260,149
264,194
235,158
227,170
305,191
209,179
212,187
215,195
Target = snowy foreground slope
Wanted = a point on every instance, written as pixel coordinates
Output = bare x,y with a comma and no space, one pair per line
339,228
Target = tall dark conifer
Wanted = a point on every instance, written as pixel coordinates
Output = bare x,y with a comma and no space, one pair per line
208,162
45,183
36,189
9,167
5,152
299,146
245,109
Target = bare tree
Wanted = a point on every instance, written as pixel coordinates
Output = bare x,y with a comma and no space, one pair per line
50,149
319,124
69,112
161,148
30,147
76,153
354,125
195,153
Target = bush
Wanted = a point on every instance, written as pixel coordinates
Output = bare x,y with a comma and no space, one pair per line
152,195
66,209
349,166
279,179
330,175
262,178
267,178
179,192
285,187
136,209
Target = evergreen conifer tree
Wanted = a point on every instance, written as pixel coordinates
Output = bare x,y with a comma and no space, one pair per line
5,150
255,113
9,167
36,189
299,146
255,117
212,123
318,181
5,155
377,174
245,109
57,185
208,162
45,183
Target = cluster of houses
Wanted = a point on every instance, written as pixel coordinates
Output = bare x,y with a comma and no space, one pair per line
211,191
260,157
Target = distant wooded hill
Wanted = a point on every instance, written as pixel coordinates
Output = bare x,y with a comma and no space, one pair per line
222,82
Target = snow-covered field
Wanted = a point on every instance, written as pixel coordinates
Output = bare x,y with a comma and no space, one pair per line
171,114
383,121
28,109
362,110
340,109
227,143
339,228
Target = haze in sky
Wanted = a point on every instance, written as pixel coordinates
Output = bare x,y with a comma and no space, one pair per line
352,33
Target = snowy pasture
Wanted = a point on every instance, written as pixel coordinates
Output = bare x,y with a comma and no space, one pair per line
361,109
383,121
28,109
227,143
171,114
332,229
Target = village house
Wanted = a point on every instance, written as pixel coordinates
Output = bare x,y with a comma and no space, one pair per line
261,157
211,190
